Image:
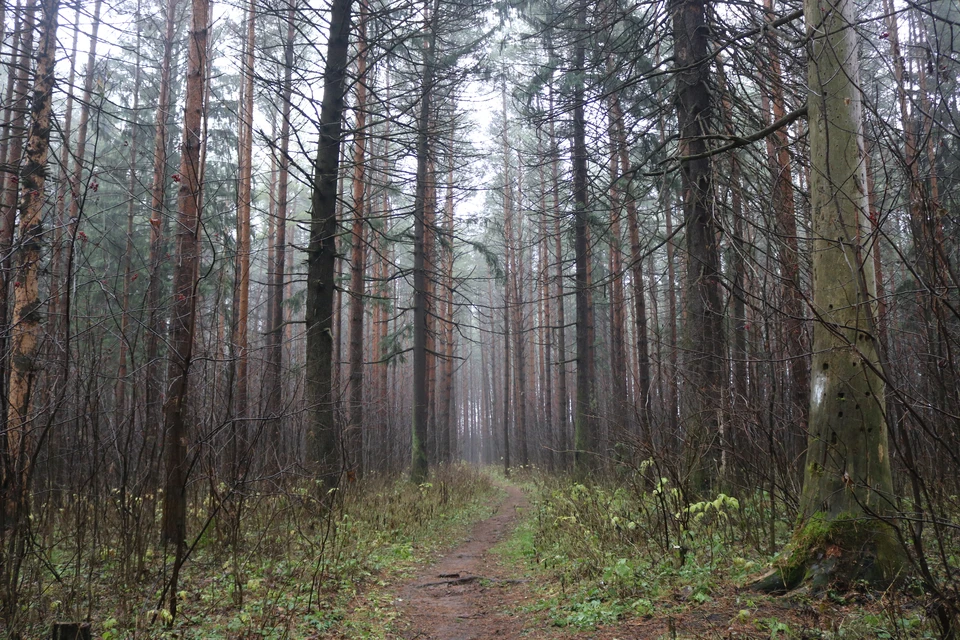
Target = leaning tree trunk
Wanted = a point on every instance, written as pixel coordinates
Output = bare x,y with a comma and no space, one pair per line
847,485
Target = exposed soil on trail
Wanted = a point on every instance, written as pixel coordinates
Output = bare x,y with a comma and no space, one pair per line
467,594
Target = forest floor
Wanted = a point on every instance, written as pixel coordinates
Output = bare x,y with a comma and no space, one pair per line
482,588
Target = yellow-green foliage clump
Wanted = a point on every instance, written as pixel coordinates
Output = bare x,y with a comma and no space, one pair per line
629,542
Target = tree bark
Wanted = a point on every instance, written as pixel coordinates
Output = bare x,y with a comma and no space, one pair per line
421,400
322,255
242,272
358,254
153,393
184,300
276,341
586,436
636,270
27,310
703,337
847,485
446,420
563,408
14,133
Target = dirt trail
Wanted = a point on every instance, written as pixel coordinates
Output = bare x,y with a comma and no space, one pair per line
467,594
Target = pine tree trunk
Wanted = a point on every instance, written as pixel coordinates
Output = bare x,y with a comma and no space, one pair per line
322,255
545,295
14,133
421,399
617,345
120,391
278,268
515,278
184,300
79,189
446,420
242,271
25,369
563,403
586,434
636,270
63,191
703,329
153,396
358,255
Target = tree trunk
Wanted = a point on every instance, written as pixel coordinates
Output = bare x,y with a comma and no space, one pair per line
847,485
740,249
322,255
789,253
617,345
14,131
78,189
585,426
27,311
242,272
153,396
636,269
703,337
506,379
446,420
358,255
421,406
63,191
514,299
184,298
546,318
276,341
563,408
120,391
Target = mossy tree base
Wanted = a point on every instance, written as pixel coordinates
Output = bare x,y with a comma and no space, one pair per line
835,554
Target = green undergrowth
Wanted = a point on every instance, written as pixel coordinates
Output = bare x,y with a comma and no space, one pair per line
633,548
294,572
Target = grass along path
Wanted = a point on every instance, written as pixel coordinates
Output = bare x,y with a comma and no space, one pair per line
495,584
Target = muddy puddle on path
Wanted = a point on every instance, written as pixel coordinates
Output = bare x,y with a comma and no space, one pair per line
467,594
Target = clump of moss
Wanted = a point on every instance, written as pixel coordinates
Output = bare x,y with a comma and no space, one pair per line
834,552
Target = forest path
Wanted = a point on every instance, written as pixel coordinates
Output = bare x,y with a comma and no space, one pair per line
474,593
468,594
